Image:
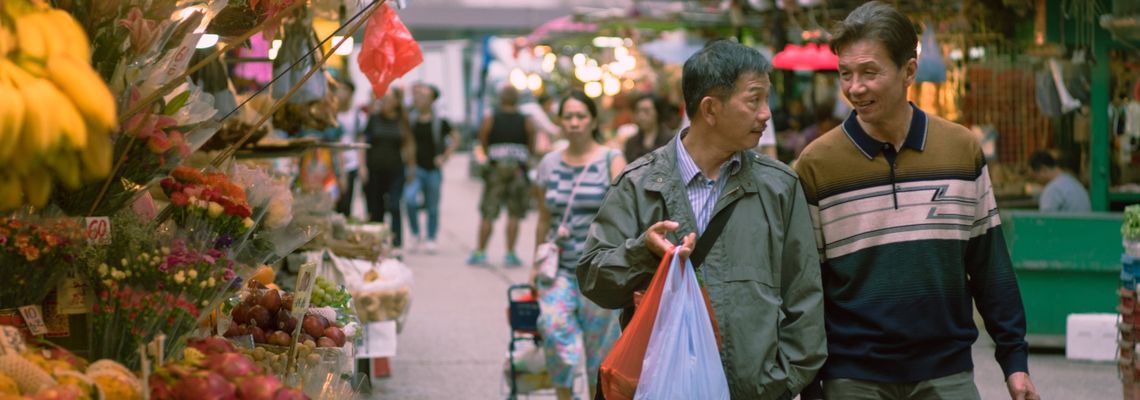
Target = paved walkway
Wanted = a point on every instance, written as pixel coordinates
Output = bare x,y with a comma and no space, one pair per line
455,339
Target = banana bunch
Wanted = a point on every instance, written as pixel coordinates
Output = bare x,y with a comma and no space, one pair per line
57,114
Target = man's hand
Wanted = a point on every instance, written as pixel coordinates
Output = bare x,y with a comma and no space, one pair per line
658,244
1021,388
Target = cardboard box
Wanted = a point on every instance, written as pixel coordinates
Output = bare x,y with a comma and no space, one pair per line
1091,337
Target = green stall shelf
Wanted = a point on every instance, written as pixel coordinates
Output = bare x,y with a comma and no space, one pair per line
1065,264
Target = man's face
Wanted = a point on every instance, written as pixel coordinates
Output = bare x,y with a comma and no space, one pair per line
1042,175
644,114
744,115
874,85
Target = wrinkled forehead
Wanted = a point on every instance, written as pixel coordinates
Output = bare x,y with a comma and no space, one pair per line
753,82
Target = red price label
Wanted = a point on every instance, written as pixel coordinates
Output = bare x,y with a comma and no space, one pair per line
98,230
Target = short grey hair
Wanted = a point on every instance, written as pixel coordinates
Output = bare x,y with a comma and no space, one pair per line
713,71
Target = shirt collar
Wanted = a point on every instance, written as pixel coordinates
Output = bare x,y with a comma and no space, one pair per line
915,137
689,168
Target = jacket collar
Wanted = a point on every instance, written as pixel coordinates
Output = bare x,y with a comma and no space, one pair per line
870,147
688,167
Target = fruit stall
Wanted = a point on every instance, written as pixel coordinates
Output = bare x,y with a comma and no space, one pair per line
166,220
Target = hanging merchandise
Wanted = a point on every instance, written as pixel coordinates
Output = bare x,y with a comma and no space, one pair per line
389,50
299,39
931,67
1046,94
1068,103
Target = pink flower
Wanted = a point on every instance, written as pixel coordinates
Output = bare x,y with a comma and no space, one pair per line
159,143
180,144
142,30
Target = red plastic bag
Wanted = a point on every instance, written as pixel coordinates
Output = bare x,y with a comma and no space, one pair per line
389,51
621,370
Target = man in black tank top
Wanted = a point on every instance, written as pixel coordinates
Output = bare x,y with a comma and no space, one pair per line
508,138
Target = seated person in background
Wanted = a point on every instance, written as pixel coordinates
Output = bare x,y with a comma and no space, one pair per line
1063,192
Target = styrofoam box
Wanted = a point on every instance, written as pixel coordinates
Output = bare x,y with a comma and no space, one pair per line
1091,337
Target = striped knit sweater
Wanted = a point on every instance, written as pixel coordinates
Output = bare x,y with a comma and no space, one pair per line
904,249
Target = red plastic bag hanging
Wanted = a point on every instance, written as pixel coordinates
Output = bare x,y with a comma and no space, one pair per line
621,370
389,51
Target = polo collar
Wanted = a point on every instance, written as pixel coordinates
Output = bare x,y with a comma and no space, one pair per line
870,147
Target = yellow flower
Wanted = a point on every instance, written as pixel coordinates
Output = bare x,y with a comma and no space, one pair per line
211,282
193,274
103,269
214,209
248,223
117,275
180,277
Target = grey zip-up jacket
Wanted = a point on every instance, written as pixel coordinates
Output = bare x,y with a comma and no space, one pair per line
762,275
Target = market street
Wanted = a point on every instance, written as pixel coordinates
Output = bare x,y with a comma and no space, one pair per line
454,343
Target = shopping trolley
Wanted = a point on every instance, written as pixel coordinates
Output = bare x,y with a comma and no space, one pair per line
522,313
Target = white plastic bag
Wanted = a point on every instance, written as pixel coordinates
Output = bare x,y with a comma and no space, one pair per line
682,360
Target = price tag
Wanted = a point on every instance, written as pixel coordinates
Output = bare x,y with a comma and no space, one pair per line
34,318
306,279
98,230
72,295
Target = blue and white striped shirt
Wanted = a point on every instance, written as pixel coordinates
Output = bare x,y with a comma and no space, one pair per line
703,192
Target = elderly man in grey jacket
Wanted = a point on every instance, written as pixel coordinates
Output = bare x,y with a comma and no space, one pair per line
762,273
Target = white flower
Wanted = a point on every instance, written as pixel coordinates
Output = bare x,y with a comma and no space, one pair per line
214,209
123,262
180,277
117,275
103,269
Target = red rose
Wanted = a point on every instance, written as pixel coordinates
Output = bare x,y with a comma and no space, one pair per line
179,199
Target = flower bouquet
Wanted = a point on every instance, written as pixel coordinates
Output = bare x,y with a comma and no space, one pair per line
210,197
32,257
161,286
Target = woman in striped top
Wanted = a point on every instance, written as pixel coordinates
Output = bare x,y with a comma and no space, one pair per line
566,315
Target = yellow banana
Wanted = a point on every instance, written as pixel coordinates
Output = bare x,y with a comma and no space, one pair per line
31,38
41,132
79,82
65,164
37,187
67,117
71,39
96,158
11,117
9,193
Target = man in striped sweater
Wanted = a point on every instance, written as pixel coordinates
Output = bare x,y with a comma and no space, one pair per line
909,233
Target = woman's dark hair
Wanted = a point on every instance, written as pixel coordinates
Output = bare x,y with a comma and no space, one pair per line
662,107
399,96
879,22
593,108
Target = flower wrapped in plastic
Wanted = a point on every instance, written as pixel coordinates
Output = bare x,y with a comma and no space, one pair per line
209,197
34,254
151,286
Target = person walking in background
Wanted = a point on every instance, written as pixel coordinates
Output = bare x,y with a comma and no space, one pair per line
352,121
908,231
436,140
762,272
1062,192
569,187
391,150
651,114
508,138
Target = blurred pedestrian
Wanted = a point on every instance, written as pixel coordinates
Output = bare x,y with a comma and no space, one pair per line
909,233
569,188
351,121
436,140
1062,192
509,138
651,113
389,160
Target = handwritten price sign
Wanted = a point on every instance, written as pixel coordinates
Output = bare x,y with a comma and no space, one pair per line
98,230
34,318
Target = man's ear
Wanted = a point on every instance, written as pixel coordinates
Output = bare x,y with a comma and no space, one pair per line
710,108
